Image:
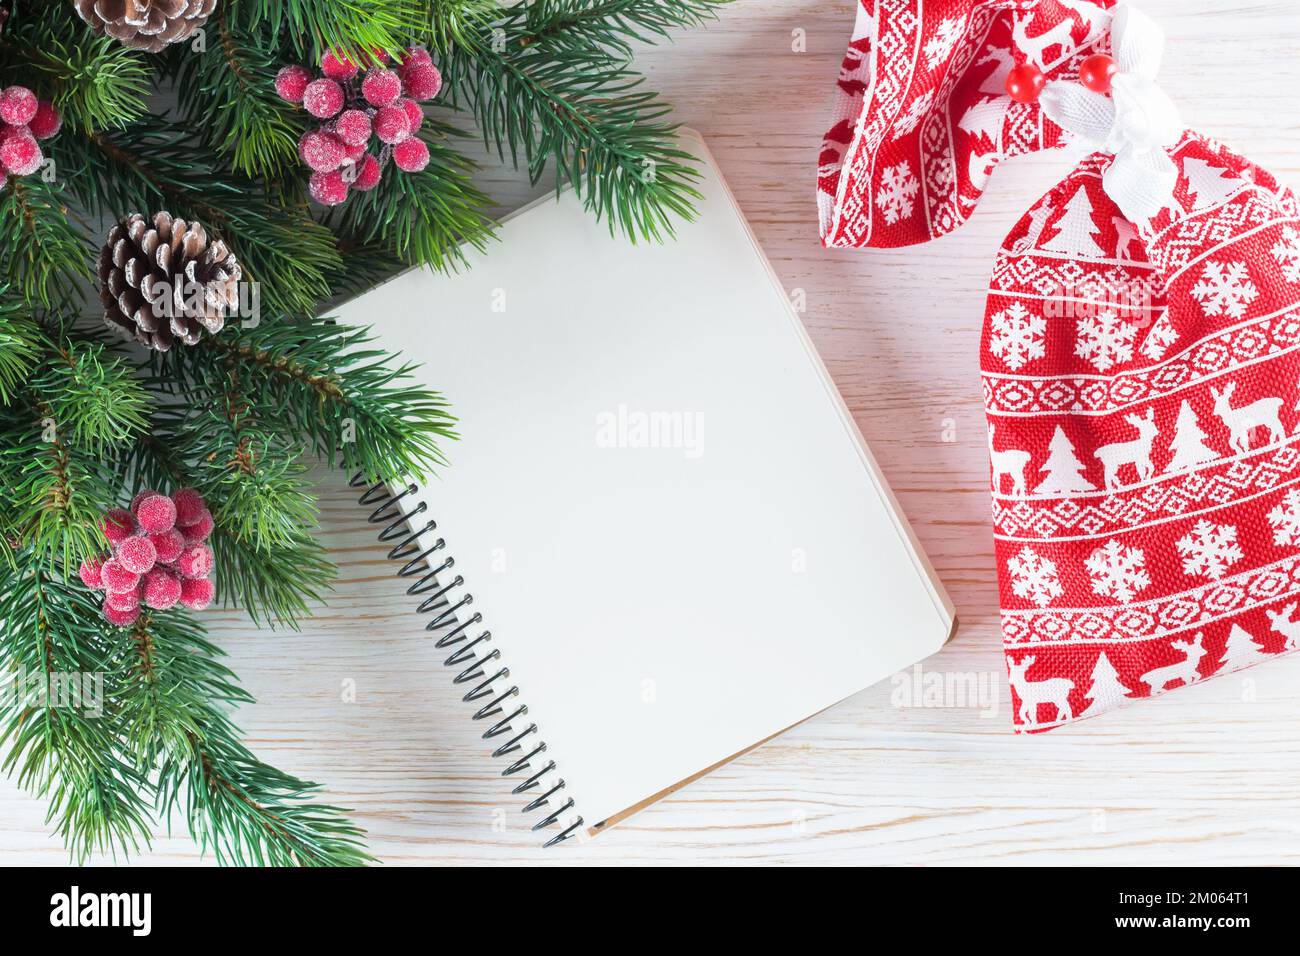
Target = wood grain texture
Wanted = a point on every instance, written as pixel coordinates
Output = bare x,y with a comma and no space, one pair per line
1210,774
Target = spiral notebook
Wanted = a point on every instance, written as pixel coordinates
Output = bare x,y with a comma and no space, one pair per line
661,539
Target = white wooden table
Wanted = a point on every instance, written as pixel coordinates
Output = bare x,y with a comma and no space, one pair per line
1210,774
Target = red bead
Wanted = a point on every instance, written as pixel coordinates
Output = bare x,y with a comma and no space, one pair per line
1095,72
1025,82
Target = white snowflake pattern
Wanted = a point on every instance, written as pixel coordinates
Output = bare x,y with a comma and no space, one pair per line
1033,577
946,35
1117,571
898,189
912,116
1287,253
1285,519
1225,289
1209,549
1104,340
1018,335
1158,340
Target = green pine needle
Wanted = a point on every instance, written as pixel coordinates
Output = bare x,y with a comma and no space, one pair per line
228,93
554,87
94,82
350,27
19,344
67,753
44,246
423,217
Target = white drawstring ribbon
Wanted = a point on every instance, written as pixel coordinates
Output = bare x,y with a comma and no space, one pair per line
1136,123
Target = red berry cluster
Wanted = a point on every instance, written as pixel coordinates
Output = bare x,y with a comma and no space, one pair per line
23,120
159,558
382,103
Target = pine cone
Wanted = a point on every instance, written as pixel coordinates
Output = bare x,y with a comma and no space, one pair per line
162,280
147,25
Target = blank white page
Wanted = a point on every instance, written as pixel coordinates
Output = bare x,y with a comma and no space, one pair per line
661,506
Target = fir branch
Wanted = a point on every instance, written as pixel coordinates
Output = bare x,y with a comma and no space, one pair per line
250,813
274,584
174,689
267,560
228,95
93,392
56,490
423,217
169,679
153,164
351,27
68,754
43,250
94,81
579,26
254,479
459,22
583,110
19,344
345,399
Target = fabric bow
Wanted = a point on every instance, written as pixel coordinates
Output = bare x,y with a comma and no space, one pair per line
1135,123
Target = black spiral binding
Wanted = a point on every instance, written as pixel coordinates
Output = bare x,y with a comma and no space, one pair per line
438,599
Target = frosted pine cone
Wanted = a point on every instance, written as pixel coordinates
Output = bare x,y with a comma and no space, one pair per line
147,25
161,280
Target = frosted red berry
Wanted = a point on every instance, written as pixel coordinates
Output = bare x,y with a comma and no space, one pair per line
168,545
323,98
321,151
416,54
353,127
137,554
291,82
47,121
414,114
421,80
116,578
190,507
90,573
162,589
121,618
197,593
141,495
125,601
358,103
329,188
195,561
149,566
392,124
411,156
1025,82
117,524
156,514
338,67
368,175
20,153
199,531
17,105
381,86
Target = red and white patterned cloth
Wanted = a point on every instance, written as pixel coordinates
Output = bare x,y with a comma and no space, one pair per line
1140,379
